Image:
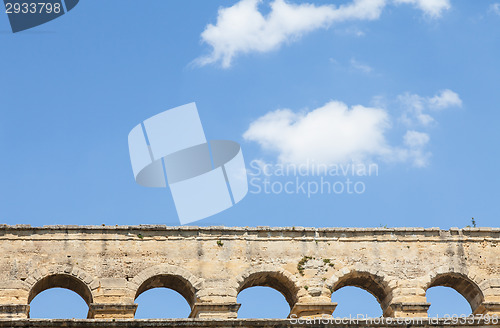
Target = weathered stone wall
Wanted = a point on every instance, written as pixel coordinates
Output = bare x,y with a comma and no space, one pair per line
110,266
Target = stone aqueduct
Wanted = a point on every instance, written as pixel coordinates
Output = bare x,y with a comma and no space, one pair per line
109,266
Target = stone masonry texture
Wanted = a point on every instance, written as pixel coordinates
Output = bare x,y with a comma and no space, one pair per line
110,266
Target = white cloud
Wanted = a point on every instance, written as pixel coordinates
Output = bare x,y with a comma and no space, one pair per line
415,150
242,28
432,8
417,108
337,134
445,99
495,7
415,139
360,66
330,134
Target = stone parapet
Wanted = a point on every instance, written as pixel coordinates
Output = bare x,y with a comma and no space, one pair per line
110,266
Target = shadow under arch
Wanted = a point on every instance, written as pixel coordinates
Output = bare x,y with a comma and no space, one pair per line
462,284
370,282
171,281
278,280
61,280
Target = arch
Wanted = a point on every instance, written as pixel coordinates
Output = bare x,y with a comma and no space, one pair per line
364,279
168,276
461,283
58,303
353,301
262,302
446,301
276,278
68,277
61,280
158,303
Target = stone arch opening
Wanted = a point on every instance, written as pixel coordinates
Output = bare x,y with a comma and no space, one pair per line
446,301
276,280
260,302
462,284
161,303
171,281
61,281
372,283
64,281
353,301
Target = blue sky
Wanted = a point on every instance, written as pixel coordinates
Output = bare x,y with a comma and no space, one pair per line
409,85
